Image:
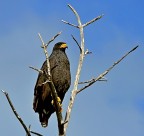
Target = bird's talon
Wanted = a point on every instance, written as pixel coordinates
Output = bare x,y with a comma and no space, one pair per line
59,102
52,102
58,99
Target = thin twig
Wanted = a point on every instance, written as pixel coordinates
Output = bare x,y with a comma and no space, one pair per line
46,55
103,79
95,19
53,38
65,122
69,23
38,70
107,71
77,43
91,80
41,38
35,133
16,114
86,82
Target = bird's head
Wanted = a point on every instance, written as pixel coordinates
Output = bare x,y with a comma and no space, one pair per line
60,46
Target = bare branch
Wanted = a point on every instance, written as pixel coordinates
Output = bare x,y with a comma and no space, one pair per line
46,55
86,82
107,71
41,39
35,133
95,19
38,70
53,38
74,11
69,23
77,43
16,114
91,80
65,122
45,82
103,79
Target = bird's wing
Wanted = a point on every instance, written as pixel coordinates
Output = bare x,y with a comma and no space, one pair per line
41,90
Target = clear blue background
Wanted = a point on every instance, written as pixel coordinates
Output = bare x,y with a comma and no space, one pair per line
113,108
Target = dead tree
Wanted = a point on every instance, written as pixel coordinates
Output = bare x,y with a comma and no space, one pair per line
63,123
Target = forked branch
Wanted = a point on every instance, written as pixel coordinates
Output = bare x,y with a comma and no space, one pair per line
107,71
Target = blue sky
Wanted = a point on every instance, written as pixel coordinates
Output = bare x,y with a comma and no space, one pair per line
110,108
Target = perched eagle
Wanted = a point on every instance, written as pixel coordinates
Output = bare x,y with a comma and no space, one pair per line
61,77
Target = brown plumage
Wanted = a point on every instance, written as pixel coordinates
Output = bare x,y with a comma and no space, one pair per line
60,71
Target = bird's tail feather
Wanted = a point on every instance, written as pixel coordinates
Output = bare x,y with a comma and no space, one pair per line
43,117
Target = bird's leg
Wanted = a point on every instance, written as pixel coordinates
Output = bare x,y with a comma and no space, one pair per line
59,102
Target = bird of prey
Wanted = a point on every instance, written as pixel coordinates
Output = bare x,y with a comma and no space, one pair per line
61,77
